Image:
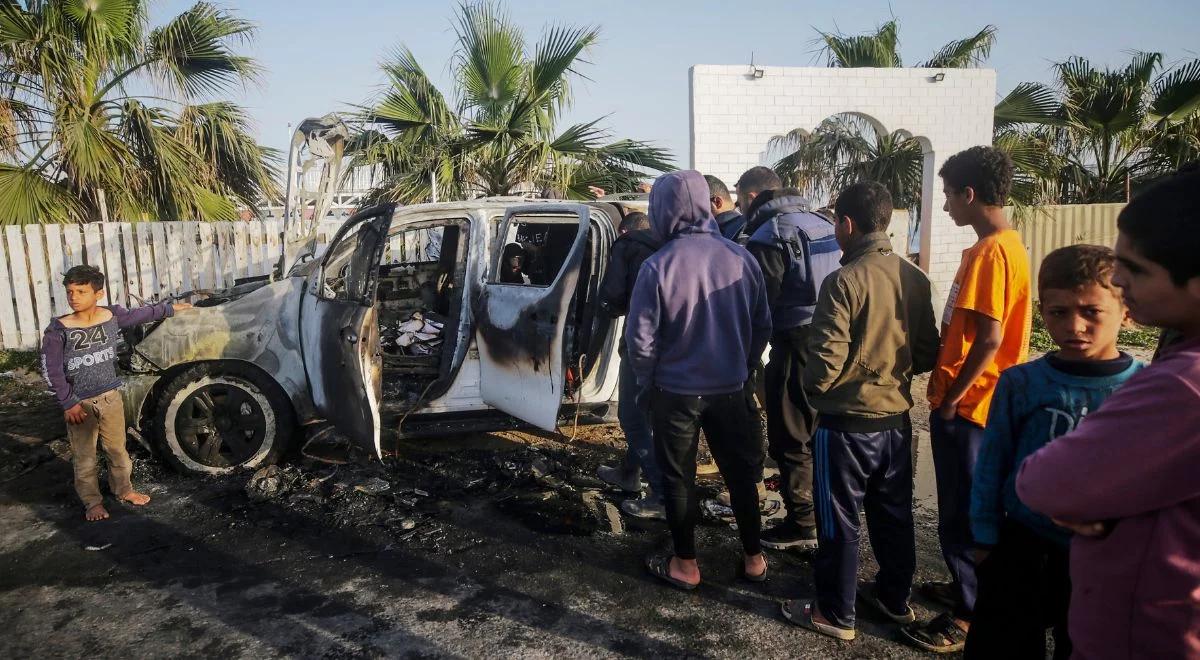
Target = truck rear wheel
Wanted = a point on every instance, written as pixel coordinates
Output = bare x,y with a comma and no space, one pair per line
215,418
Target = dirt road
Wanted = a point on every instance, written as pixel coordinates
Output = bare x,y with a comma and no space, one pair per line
488,545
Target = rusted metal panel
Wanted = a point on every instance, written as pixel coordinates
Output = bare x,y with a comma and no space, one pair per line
1052,227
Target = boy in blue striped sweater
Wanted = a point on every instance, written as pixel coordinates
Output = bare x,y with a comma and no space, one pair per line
1024,584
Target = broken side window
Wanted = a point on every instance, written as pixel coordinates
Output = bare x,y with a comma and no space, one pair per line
533,251
350,266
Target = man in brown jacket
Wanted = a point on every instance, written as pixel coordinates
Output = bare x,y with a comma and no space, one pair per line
873,329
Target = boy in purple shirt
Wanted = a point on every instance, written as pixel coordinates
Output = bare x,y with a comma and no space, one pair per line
1125,480
79,359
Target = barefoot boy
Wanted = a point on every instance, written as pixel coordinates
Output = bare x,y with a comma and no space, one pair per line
1023,579
1125,480
79,358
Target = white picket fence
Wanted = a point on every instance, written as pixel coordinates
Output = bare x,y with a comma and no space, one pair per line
142,261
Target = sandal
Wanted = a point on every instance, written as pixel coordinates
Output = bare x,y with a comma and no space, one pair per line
660,567
939,635
743,575
800,613
867,593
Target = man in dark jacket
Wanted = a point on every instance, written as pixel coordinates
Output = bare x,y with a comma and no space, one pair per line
634,245
873,329
723,208
697,319
795,249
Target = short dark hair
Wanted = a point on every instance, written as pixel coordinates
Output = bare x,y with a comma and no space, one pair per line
717,187
986,170
1073,267
634,221
84,275
1163,223
868,202
758,179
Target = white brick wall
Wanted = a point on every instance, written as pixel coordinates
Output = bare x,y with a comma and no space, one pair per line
734,115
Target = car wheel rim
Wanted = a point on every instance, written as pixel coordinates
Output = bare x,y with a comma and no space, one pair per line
220,425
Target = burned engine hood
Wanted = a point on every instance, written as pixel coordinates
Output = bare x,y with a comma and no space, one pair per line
258,324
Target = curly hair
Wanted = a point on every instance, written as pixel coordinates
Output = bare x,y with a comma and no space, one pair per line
1073,267
986,170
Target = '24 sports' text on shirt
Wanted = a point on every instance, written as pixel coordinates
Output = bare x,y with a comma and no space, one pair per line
80,363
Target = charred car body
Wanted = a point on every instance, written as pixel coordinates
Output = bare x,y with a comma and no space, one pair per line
414,321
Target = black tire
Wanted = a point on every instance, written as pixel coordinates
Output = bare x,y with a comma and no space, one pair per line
215,418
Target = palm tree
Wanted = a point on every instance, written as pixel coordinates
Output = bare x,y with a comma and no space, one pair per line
82,139
1097,133
501,134
846,149
881,49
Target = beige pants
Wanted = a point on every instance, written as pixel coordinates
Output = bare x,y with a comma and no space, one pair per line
105,421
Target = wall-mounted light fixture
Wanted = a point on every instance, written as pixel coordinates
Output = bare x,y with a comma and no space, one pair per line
755,72
938,77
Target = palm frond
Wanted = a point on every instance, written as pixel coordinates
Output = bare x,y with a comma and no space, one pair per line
1176,93
972,51
109,30
192,52
26,197
220,135
878,50
489,57
555,58
1028,103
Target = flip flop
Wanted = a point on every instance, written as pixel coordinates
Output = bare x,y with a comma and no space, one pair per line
743,575
660,567
803,617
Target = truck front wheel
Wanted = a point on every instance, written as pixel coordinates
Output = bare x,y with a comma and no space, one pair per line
215,418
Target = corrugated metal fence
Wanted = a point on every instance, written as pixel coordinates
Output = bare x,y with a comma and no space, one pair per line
1052,227
143,261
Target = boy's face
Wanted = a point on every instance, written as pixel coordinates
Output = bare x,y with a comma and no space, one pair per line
1083,322
1152,296
82,297
957,204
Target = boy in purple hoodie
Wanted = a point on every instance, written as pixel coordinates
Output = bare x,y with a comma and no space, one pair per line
1125,480
79,359
697,319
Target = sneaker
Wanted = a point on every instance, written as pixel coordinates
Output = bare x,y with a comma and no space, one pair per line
788,534
644,509
619,477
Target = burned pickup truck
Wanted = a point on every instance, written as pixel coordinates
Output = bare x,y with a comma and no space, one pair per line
414,321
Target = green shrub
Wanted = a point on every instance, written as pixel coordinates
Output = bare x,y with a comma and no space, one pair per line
10,360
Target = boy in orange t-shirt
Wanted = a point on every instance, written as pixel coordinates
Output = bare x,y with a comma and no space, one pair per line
985,330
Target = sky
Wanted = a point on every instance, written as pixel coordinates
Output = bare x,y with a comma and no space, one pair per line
320,57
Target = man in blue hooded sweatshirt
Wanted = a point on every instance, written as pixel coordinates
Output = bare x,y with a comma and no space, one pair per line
697,319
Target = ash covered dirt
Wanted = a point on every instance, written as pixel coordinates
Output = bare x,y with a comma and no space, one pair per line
483,545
